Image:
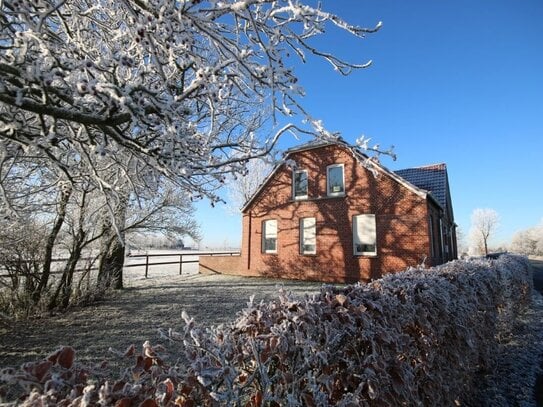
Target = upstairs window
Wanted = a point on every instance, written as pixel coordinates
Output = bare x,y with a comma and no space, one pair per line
335,182
364,235
308,236
299,185
269,236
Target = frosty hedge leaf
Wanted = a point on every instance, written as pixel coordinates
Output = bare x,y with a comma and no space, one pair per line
420,337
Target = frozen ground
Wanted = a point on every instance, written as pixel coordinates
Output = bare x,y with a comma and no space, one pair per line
135,314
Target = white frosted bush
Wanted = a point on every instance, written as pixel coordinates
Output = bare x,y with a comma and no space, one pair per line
421,337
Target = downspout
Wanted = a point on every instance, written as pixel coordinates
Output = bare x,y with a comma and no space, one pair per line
249,239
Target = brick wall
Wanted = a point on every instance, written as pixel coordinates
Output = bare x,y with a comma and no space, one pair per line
222,265
401,218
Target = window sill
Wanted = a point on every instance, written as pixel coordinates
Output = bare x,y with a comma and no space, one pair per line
338,195
318,198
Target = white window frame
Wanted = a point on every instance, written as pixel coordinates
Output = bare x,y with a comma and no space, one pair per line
441,242
432,239
358,235
305,224
265,234
328,191
294,185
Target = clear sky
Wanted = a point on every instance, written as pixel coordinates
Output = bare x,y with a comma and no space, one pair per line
459,82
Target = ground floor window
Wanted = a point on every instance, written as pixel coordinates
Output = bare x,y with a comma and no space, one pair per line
308,236
269,236
432,238
364,235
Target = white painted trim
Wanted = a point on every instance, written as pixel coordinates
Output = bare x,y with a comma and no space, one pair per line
301,197
331,193
356,235
264,235
302,236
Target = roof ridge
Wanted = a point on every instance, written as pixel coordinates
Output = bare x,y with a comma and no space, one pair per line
441,165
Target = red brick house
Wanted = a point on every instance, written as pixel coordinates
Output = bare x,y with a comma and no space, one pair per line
327,213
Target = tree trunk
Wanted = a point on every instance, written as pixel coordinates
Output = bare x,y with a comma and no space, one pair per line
64,288
65,193
111,262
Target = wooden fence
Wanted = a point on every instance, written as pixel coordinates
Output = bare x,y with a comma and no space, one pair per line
181,258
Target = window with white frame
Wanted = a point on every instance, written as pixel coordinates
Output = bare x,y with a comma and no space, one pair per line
335,182
364,235
299,184
308,236
432,239
269,236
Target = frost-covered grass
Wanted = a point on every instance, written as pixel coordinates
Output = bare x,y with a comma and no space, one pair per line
435,337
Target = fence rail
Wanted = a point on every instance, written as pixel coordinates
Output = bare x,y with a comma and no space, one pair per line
182,259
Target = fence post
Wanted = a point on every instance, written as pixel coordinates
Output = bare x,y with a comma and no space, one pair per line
180,264
146,264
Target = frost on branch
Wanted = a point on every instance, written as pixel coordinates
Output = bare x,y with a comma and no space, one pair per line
421,337
174,88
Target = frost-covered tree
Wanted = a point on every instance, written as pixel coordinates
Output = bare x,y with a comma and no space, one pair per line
242,187
126,94
484,223
185,89
529,241
462,243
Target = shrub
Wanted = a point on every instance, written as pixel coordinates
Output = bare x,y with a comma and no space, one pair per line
421,337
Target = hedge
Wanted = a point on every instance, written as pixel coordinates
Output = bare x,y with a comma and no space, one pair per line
420,337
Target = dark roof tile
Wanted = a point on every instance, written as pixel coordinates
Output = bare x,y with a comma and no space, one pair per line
432,178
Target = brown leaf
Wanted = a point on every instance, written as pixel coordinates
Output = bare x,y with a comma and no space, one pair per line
39,369
130,351
66,357
124,402
54,356
274,342
149,403
82,376
181,401
139,362
118,386
169,387
256,399
147,363
185,390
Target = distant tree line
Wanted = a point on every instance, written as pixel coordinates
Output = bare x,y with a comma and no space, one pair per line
529,241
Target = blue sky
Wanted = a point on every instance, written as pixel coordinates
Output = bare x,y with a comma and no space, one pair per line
459,82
